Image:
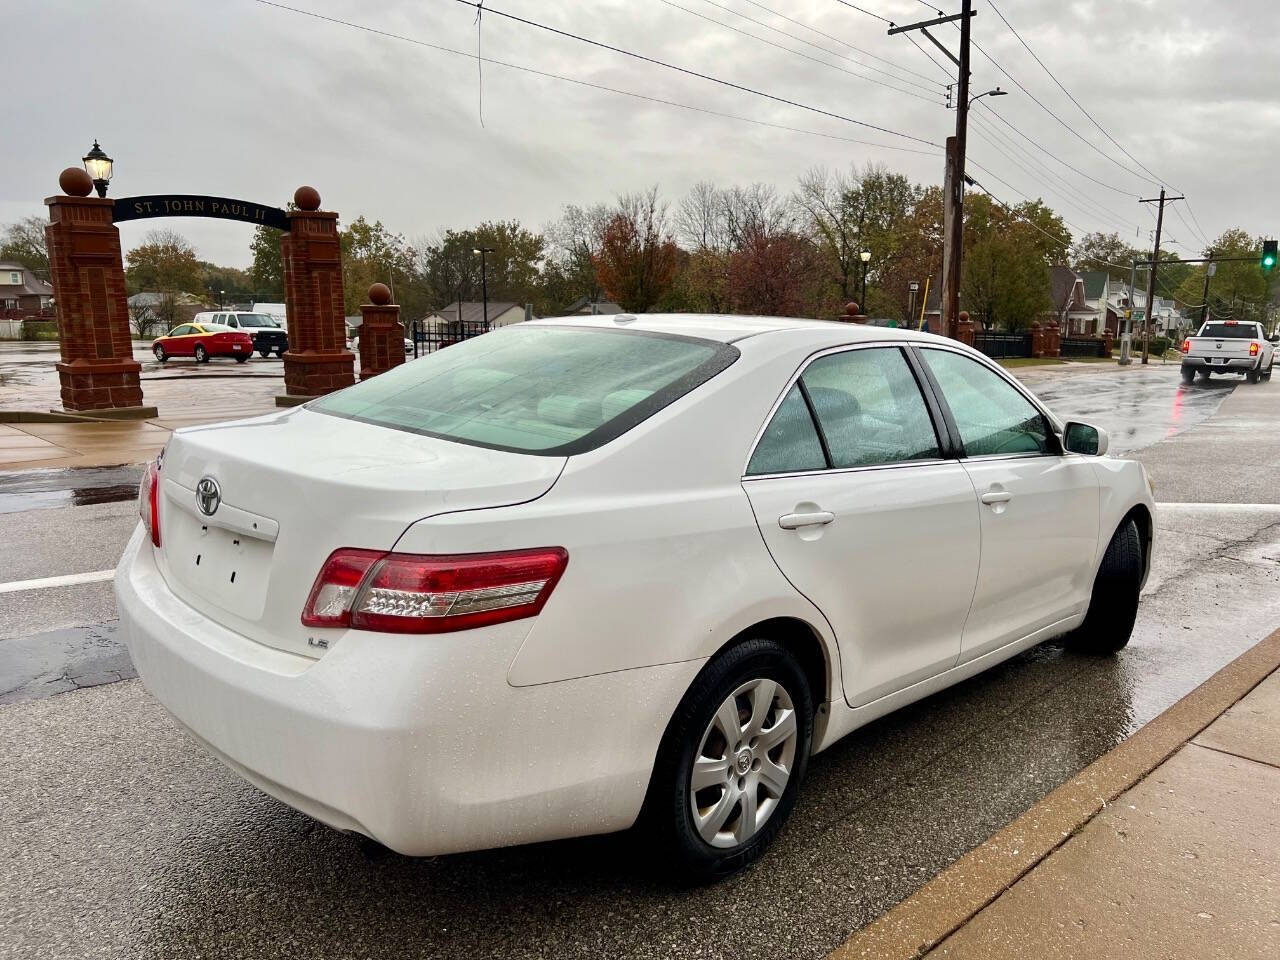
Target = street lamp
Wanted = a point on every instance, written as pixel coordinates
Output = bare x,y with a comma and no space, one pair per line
98,165
222,299
997,92
484,282
866,258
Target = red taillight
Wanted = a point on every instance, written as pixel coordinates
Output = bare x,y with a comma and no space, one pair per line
416,593
149,501
1186,346
1253,349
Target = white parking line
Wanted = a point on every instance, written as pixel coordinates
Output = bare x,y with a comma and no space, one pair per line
1175,506
70,580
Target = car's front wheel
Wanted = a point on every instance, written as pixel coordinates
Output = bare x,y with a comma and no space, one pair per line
731,761
202,355
1113,608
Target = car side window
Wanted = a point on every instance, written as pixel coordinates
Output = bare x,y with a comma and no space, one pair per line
992,416
180,331
870,409
790,443
232,321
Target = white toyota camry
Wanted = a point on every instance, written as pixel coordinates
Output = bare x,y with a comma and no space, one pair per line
580,574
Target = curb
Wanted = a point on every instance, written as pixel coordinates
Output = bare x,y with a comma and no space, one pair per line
961,891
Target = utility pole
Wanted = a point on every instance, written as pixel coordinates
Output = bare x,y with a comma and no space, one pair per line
953,214
1151,281
1209,270
484,285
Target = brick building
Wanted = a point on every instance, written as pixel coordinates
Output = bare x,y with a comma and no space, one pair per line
21,291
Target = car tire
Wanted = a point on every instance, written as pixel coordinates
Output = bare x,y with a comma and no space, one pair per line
1205,374
264,354
1113,608
280,354
736,778
1254,375
242,358
1271,366
202,355
160,355
1188,374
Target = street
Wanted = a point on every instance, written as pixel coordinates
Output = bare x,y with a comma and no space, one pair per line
128,840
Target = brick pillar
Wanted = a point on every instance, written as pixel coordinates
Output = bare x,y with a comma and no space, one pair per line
381,333
852,314
1037,340
97,370
317,361
964,328
1053,340
1108,339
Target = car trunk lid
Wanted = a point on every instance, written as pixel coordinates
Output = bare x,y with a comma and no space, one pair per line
288,489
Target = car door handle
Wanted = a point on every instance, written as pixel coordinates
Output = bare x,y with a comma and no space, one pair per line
793,521
996,496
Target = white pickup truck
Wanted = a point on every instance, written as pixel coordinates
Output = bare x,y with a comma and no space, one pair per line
1228,346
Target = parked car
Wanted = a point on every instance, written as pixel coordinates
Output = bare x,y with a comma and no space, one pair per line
580,574
408,347
203,341
1228,346
268,335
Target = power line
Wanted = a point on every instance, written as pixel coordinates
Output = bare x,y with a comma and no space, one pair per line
851,6
999,179
493,11
1196,221
833,39
1037,59
729,26
586,83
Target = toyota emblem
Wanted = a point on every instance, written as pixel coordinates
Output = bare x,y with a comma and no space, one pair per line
208,496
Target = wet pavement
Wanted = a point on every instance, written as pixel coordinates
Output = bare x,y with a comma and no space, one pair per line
129,841
47,489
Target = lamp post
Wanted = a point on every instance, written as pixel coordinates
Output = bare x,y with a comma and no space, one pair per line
913,286
98,165
484,283
866,258
222,299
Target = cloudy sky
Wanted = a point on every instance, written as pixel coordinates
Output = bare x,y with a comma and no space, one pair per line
243,99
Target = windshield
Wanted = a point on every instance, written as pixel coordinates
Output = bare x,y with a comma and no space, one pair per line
257,320
1232,331
535,389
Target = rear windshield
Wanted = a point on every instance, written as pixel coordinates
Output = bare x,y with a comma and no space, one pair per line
535,389
1232,331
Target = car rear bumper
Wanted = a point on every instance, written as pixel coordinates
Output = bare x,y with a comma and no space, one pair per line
1236,364
416,741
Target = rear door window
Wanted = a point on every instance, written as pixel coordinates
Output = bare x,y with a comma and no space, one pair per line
993,417
554,390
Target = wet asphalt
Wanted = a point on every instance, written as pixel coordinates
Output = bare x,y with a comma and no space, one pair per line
125,840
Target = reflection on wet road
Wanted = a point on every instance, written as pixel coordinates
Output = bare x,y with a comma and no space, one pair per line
1138,407
43,489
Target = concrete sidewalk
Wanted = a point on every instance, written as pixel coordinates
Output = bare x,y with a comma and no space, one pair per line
1168,847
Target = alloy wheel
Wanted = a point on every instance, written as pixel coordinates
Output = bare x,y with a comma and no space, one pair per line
743,763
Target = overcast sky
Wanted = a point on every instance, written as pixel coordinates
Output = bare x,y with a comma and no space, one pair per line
240,99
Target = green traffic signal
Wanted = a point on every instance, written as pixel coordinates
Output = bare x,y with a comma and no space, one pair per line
1268,254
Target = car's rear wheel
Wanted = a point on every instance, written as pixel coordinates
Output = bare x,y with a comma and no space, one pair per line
280,353
1271,366
264,353
161,356
1113,608
1188,374
202,355
242,358
1205,374
731,762
1253,376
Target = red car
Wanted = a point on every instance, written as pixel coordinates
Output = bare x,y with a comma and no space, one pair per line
202,341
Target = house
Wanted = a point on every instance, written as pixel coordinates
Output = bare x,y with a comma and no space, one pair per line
155,306
585,306
22,291
1071,311
470,315
1096,287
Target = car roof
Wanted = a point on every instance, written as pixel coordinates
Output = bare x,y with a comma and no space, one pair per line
729,328
212,327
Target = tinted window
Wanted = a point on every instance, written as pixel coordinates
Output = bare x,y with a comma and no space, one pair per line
535,389
181,331
1230,331
790,443
870,408
993,417
257,320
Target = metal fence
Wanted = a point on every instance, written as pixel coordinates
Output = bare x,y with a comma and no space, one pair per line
999,346
1082,347
430,336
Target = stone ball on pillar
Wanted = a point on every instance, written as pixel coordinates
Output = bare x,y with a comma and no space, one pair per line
75,182
307,198
379,294
851,309
964,316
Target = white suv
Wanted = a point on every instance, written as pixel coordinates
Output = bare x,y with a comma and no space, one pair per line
268,333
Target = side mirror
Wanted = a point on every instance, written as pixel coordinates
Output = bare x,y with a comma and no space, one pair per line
1084,438
1274,338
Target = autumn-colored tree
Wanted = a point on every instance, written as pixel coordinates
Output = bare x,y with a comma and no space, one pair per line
164,262
23,241
636,265
775,274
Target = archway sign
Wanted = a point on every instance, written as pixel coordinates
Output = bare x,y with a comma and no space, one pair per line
98,373
198,205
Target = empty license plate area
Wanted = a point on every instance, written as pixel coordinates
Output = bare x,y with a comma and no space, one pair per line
225,567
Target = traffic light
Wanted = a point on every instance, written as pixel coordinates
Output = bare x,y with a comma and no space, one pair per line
1268,254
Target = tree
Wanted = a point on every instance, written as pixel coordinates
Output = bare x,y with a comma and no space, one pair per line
638,258
165,263
1105,252
572,244
1239,289
227,285
372,254
23,242
1006,278
449,268
266,273
775,274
